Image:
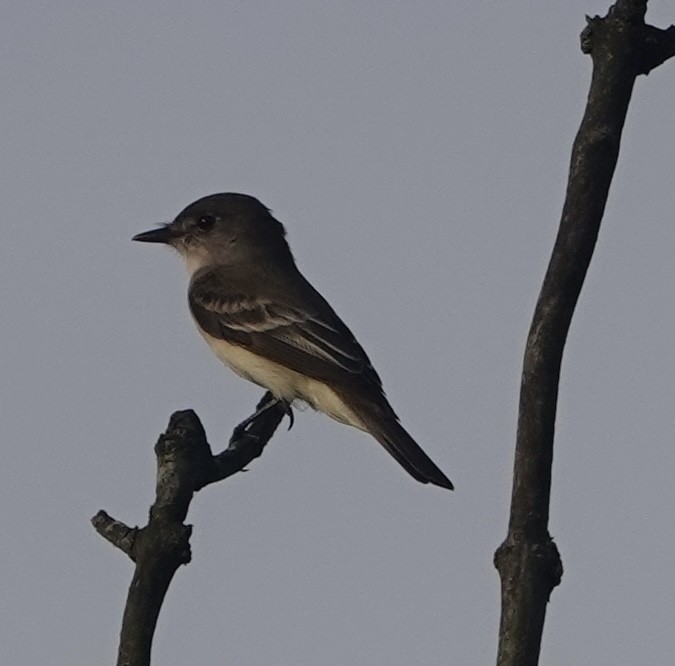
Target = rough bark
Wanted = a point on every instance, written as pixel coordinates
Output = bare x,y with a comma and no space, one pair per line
622,47
185,464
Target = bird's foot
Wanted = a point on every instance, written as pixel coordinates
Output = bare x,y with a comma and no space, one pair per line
240,431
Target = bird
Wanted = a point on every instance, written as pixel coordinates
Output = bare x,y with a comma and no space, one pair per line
264,320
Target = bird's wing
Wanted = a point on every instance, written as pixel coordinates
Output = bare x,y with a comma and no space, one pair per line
300,332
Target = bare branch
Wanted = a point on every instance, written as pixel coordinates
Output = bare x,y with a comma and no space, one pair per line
622,47
185,464
117,533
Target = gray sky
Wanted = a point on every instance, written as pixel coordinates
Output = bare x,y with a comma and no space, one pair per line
417,154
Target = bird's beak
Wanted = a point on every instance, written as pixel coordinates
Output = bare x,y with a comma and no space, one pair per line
165,234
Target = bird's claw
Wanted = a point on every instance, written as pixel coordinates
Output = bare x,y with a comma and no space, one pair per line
289,412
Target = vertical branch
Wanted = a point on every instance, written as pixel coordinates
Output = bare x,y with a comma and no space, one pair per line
622,47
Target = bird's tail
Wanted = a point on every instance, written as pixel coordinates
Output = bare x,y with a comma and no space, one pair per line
381,422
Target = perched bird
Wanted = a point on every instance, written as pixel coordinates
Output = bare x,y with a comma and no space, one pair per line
264,320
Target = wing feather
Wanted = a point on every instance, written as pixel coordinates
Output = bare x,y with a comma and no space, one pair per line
310,340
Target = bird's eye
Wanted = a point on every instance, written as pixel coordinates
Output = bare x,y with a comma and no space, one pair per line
205,222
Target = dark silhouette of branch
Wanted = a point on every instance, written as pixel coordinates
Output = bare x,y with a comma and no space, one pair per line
185,464
622,47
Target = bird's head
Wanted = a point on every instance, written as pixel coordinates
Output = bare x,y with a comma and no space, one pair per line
221,229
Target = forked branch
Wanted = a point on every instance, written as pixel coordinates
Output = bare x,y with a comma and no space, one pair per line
185,464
